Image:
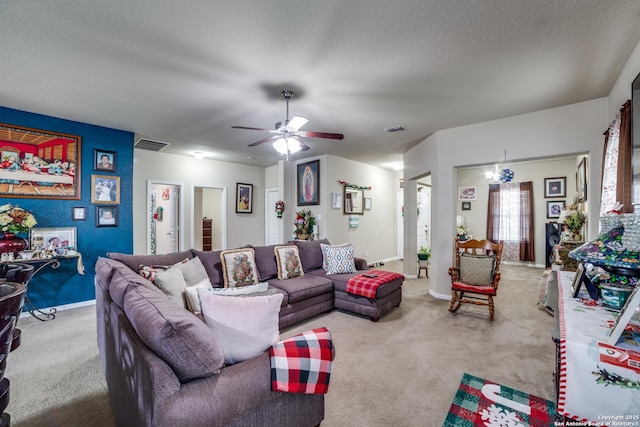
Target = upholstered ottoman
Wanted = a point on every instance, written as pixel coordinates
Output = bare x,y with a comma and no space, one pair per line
369,296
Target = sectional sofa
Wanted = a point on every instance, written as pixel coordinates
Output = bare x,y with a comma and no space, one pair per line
160,366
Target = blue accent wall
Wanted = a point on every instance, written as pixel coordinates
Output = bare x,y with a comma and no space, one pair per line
64,285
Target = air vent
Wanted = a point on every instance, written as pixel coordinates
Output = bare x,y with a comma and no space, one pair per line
150,144
396,128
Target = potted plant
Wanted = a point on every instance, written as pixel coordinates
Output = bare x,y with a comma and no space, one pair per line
575,222
423,256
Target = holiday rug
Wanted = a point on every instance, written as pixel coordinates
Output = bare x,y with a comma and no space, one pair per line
482,403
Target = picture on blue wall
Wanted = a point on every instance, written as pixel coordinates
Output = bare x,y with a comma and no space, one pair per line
105,189
106,216
37,163
104,160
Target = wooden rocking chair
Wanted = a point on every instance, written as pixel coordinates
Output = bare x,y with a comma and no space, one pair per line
476,276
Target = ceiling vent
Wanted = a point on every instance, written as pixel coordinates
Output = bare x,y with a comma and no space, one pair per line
393,129
150,144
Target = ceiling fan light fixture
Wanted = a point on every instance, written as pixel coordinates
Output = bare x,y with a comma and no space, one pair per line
293,145
281,146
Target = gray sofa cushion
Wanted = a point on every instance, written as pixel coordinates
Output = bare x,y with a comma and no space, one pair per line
122,279
213,266
135,261
302,288
173,333
310,253
266,262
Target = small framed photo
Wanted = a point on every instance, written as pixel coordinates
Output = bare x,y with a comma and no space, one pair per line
555,187
336,200
554,208
79,213
577,281
244,198
105,190
106,216
52,238
466,206
104,160
466,193
367,203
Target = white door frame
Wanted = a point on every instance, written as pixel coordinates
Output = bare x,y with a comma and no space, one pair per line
268,210
150,183
223,225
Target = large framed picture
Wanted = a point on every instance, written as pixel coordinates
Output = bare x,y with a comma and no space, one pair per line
555,187
39,164
308,183
52,238
581,180
554,208
106,216
104,160
244,198
105,189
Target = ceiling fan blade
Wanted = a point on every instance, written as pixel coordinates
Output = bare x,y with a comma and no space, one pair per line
250,128
297,122
327,135
262,141
304,147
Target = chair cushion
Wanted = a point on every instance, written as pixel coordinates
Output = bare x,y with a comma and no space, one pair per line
289,264
477,269
487,289
239,267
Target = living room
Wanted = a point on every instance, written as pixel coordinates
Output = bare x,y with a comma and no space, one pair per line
449,158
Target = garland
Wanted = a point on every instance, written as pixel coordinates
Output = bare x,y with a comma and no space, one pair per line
358,187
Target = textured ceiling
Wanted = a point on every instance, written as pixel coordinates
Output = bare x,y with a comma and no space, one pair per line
185,72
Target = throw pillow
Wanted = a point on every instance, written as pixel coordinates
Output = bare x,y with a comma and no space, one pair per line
171,282
239,267
477,269
174,334
192,270
324,254
245,327
192,299
288,260
340,259
241,290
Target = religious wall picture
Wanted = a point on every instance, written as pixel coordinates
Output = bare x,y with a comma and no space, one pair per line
104,160
105,189
106,216
39,164
554,208
244,198
555,187
308,179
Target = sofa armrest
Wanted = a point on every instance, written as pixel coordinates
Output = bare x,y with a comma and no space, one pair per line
361,264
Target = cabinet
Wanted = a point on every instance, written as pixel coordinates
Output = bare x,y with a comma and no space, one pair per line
207,225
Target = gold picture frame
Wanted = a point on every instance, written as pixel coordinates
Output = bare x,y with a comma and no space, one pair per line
105,190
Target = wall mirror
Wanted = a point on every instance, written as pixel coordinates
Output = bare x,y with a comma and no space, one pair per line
353,201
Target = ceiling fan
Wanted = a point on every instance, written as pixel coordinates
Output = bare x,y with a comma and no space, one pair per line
286,135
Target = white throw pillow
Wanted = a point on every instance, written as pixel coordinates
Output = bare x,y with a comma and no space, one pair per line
340,259
245,327
192,298
242,290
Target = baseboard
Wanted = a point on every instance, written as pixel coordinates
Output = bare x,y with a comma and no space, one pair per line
439,296
522,264
61,307
380,262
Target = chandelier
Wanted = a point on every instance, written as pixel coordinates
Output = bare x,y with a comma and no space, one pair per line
500,176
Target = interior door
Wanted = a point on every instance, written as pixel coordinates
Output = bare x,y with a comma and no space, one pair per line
272,222
164,217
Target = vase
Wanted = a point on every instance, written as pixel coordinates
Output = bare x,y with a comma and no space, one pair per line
12,243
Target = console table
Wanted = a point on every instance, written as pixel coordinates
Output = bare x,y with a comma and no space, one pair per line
595,383
39,265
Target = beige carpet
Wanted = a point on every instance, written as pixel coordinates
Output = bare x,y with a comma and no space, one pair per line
401,371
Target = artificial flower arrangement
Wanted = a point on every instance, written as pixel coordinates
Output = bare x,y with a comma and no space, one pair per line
14,219
304,222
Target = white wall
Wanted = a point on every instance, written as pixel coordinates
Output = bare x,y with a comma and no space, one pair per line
557,132
621,91
150,165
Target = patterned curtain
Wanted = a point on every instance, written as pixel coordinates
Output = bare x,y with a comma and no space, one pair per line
510,219
617,175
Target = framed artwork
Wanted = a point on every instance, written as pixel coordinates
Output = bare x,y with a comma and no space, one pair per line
244,198
466,193
308,180
367,203
52,238
581,180
353,201
555,187
105,189
39,164
554,208
466,206
104,160
79,213
106,216
336,200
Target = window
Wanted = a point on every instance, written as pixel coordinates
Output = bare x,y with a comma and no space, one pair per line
510,219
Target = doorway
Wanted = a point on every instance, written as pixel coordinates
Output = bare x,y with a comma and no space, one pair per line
273,225
164,220
209,203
